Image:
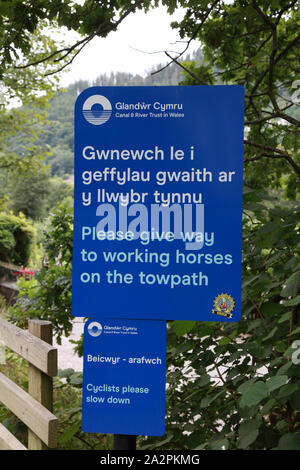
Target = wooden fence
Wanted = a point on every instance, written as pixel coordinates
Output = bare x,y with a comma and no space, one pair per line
34,407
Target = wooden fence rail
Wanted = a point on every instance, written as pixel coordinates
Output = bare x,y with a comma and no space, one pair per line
34,407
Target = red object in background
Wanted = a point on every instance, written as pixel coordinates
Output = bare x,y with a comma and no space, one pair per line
24,272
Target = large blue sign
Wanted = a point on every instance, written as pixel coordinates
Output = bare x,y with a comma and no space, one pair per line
158,203
124,377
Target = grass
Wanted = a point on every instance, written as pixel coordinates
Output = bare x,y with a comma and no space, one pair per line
67,407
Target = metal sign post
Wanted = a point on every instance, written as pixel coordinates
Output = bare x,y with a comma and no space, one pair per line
124,442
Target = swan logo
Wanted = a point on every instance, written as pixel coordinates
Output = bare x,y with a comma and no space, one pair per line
97,110
95,329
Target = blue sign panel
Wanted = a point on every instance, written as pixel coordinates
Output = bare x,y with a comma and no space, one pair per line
124,376
158,203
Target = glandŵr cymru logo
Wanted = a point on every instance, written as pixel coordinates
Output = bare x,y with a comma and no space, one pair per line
97,109
95,329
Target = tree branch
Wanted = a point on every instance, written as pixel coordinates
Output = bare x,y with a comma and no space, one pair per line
195,33
276,60
275,153
185,69
82,42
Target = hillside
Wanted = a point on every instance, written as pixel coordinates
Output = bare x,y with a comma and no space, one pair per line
58,133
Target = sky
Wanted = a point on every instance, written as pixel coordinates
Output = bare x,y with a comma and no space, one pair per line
133,48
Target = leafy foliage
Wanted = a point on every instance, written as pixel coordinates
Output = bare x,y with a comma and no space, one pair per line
56,135
24,96
67,407
36,194
238,387
254,44
230,385
23,21
49,295
16,238
29,193
235,385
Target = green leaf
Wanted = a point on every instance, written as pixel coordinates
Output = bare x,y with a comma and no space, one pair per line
65,373
159,443
292,302
280,346
271,308
283,370
182,327
289,442
200,447
194,439
291,285
247,190
76,379
221,444
249,280
203,380
287,390
253,206
285,317
275,382
254,324
271,334
254,394
282,426
71,431
205,402
248,432
242,388
224,341
296,331
268,406
256,350
295,400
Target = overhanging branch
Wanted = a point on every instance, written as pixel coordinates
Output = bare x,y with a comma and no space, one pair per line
104,27
271,152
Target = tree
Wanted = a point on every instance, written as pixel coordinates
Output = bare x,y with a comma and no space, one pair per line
243,386
35,195
30,59
29,194
248,42
16,238
255,44
21,20
48,297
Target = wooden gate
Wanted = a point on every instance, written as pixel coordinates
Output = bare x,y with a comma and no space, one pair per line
34,407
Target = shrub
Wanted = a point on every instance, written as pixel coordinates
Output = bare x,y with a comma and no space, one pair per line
16,238
48,296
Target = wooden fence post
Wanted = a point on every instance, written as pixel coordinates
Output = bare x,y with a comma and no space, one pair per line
40,385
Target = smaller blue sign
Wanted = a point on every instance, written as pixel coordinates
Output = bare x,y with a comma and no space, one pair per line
124,377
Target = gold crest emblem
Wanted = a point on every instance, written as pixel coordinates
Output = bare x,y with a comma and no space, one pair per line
224,304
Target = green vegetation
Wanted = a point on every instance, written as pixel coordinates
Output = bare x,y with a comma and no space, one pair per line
255,44
16,239
67,406
56,136
48,296
230,386
245,388
47,193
